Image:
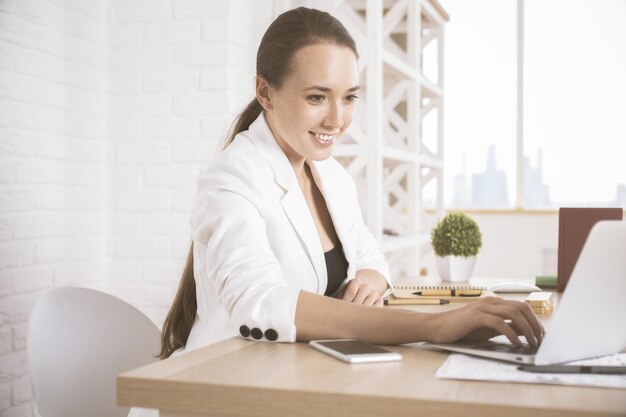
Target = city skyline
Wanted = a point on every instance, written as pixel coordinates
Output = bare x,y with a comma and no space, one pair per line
489,188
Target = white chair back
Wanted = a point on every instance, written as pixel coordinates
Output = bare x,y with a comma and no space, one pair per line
79,340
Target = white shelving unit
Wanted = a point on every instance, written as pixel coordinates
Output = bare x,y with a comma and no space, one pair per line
394,149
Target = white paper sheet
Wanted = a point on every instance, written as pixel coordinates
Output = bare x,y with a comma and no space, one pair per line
459,366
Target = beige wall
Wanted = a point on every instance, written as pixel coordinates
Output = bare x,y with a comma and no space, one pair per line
515,246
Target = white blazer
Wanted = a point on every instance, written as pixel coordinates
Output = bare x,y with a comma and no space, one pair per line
255,242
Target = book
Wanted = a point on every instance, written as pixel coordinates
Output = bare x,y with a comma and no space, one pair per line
574,227
406,291
545,281
439,287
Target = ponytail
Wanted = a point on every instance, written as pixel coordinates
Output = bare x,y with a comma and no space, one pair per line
244,120
182,314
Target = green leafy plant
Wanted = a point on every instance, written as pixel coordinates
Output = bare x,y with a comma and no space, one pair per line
457,235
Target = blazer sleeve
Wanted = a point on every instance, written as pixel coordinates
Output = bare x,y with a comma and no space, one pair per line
246,276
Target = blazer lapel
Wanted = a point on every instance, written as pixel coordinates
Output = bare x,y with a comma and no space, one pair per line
292,202
342,217
297,211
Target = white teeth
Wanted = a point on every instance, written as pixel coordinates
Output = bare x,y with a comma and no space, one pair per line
324,138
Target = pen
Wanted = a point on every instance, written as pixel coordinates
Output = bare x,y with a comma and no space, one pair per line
450,293
415,301
574,369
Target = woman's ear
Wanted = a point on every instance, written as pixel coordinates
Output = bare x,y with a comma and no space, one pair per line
263,93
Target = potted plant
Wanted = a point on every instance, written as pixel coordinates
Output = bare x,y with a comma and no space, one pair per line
456,240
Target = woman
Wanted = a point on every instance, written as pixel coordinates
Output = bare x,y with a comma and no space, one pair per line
280,251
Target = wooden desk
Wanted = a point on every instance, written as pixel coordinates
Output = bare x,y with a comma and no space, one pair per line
244,378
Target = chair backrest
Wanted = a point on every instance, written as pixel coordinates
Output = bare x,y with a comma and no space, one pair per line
79,340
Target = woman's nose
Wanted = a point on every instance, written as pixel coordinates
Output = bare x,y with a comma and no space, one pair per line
334,116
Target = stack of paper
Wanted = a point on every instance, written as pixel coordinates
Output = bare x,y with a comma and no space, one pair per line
459,366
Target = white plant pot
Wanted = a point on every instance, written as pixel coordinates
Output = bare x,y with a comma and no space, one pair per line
455,268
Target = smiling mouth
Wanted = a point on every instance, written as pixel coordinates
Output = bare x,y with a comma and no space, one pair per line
322,138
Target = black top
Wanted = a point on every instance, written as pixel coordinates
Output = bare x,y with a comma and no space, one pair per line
336,267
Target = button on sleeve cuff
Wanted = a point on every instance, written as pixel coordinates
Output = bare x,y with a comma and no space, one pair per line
271,317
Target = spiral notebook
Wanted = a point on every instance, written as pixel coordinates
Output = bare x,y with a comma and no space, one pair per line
406,291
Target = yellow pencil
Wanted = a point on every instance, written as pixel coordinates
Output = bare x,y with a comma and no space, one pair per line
415,301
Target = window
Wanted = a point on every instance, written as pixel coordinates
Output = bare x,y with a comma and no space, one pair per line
574,103
574,129
480,103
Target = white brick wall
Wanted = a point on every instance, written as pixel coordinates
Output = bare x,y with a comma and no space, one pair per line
54,158
176,83
108,110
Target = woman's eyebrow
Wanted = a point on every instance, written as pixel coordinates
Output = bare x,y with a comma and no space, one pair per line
326,89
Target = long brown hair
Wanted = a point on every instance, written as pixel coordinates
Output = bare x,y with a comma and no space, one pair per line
291,31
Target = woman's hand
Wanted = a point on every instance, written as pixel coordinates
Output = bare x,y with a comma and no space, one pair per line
358,291
486,318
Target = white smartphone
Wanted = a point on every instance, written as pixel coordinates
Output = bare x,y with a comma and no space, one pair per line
354,351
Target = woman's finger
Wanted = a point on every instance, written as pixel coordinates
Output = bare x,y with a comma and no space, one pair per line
532,318
350,291
371,299
363,291
512,311
498,324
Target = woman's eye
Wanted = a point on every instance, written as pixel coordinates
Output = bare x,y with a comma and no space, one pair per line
352,98
316,98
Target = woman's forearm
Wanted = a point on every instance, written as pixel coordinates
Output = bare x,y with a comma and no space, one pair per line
319,317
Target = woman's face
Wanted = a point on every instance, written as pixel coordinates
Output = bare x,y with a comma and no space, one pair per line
315,103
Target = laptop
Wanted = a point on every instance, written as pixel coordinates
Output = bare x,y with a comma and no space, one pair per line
589,320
